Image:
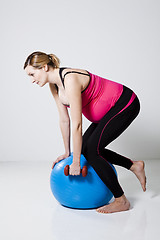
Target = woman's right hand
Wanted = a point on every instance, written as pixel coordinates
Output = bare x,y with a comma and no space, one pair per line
60,158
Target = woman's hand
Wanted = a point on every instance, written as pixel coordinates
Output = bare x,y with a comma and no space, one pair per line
74,169
60,158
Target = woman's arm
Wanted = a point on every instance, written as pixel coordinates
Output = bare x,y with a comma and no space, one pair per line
64,120
73,92
65,131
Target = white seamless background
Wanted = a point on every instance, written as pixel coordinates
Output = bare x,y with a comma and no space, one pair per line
115,39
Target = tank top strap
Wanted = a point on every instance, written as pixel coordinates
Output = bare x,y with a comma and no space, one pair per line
75,72
62,78
60,73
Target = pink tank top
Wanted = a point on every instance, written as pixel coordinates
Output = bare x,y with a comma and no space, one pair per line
99,97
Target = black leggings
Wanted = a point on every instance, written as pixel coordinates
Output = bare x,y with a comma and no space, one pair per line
99,135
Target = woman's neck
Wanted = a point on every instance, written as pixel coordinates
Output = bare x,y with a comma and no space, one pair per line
54,78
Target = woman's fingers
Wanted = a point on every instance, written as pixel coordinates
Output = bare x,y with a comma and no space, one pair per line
59,159
53,165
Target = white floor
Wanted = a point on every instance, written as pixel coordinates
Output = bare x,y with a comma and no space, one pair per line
29,211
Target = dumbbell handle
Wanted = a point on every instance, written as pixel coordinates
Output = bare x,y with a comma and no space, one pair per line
83,171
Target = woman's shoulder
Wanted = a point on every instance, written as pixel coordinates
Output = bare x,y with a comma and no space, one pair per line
65,70
81,77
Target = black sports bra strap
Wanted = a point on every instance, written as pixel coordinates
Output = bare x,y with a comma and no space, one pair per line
75,72
62,78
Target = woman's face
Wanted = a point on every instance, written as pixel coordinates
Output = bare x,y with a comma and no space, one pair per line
38,76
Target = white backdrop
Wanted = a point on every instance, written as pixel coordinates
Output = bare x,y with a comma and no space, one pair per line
116,39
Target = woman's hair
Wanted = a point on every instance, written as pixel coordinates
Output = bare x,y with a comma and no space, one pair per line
39,59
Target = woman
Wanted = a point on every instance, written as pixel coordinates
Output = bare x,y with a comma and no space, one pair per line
110,106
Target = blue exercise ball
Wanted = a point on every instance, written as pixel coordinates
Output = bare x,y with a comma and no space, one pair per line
77,191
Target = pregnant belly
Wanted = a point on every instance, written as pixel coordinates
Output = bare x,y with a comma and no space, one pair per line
95,110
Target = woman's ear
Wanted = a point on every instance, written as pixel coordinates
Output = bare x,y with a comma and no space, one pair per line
45,68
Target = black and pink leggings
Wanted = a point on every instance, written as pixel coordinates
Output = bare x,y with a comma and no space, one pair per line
99,135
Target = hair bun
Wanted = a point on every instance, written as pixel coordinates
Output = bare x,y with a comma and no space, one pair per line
50,58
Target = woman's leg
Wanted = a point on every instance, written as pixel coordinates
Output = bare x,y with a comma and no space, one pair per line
108,129
87,134
111,156
100,135
137,167
116,158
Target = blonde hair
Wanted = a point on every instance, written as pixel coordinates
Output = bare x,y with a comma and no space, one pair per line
39,59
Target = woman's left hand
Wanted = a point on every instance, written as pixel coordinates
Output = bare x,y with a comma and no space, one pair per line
74,169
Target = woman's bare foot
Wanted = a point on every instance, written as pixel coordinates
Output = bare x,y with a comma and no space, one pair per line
138,169
119,204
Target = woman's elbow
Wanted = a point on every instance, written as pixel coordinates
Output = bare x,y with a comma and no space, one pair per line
77,126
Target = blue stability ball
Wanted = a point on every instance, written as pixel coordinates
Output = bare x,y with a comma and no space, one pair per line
78,191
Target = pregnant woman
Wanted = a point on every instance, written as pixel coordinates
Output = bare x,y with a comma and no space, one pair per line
110,106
